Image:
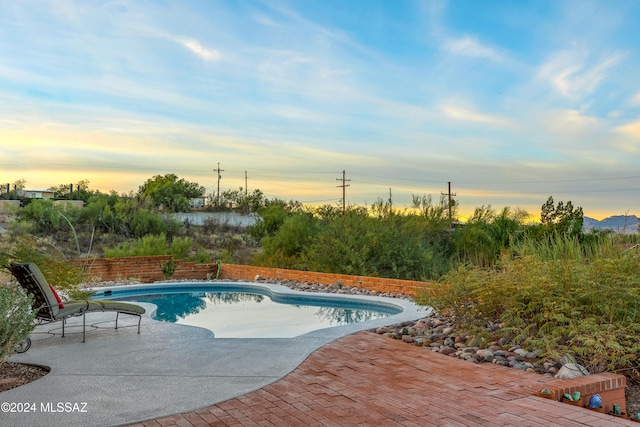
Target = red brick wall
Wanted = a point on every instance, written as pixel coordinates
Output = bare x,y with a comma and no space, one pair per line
149,269
145,269
247,272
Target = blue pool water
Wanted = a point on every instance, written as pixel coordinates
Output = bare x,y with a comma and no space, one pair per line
236,311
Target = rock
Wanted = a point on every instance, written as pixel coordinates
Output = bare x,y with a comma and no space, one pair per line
449,342
474,342
419,340
521,352
571,370
407,338
486,355
446,350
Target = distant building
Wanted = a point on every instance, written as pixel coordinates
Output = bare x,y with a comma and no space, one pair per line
36,194
198,202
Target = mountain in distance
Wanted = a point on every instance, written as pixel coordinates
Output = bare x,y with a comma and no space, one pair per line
626,224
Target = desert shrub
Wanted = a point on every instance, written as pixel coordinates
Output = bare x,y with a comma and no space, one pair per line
285,247
271,218
145,246
181,247
17,319
395,246
582,302
202,256
145,222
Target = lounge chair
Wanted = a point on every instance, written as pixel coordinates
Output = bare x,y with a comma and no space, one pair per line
49,306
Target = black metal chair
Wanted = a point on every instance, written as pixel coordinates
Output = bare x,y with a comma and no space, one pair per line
49,307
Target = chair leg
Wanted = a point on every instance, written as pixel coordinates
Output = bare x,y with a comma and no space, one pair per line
139,320
83,327
117,313
64,320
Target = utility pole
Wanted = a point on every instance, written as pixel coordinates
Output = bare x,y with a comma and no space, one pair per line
344,185
450,201
218,170
390,202
246,200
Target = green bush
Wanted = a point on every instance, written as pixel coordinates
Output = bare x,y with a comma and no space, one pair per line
146,246
201,257
181,247
580,302
17,319
144,222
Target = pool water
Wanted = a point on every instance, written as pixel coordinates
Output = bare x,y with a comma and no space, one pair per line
241,314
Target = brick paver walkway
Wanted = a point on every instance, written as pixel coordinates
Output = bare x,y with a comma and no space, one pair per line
371,380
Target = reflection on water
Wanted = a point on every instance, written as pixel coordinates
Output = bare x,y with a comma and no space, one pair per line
172,307
231,297
346,316
236,315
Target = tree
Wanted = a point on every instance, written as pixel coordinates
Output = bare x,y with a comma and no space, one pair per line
239,199
563,218
170,193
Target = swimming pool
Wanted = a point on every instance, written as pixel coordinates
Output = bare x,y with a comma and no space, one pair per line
250,310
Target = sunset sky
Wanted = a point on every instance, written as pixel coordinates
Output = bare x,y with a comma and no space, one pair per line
510,101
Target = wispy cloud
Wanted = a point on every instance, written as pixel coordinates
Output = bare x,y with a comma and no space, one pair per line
192,45
458,113
470,46
636,99
574,75
195,47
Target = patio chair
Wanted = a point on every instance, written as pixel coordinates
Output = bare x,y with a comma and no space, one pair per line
50,307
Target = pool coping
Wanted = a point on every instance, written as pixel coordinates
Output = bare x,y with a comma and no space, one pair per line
169,368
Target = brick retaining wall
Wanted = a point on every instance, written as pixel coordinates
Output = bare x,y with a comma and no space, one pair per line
149,269
145,269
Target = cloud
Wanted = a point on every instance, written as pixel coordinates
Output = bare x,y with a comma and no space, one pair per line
569,129
195,47
191,44
636,99
470,46
458,113
573,75
632,129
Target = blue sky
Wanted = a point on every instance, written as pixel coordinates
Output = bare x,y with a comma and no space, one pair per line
510,101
